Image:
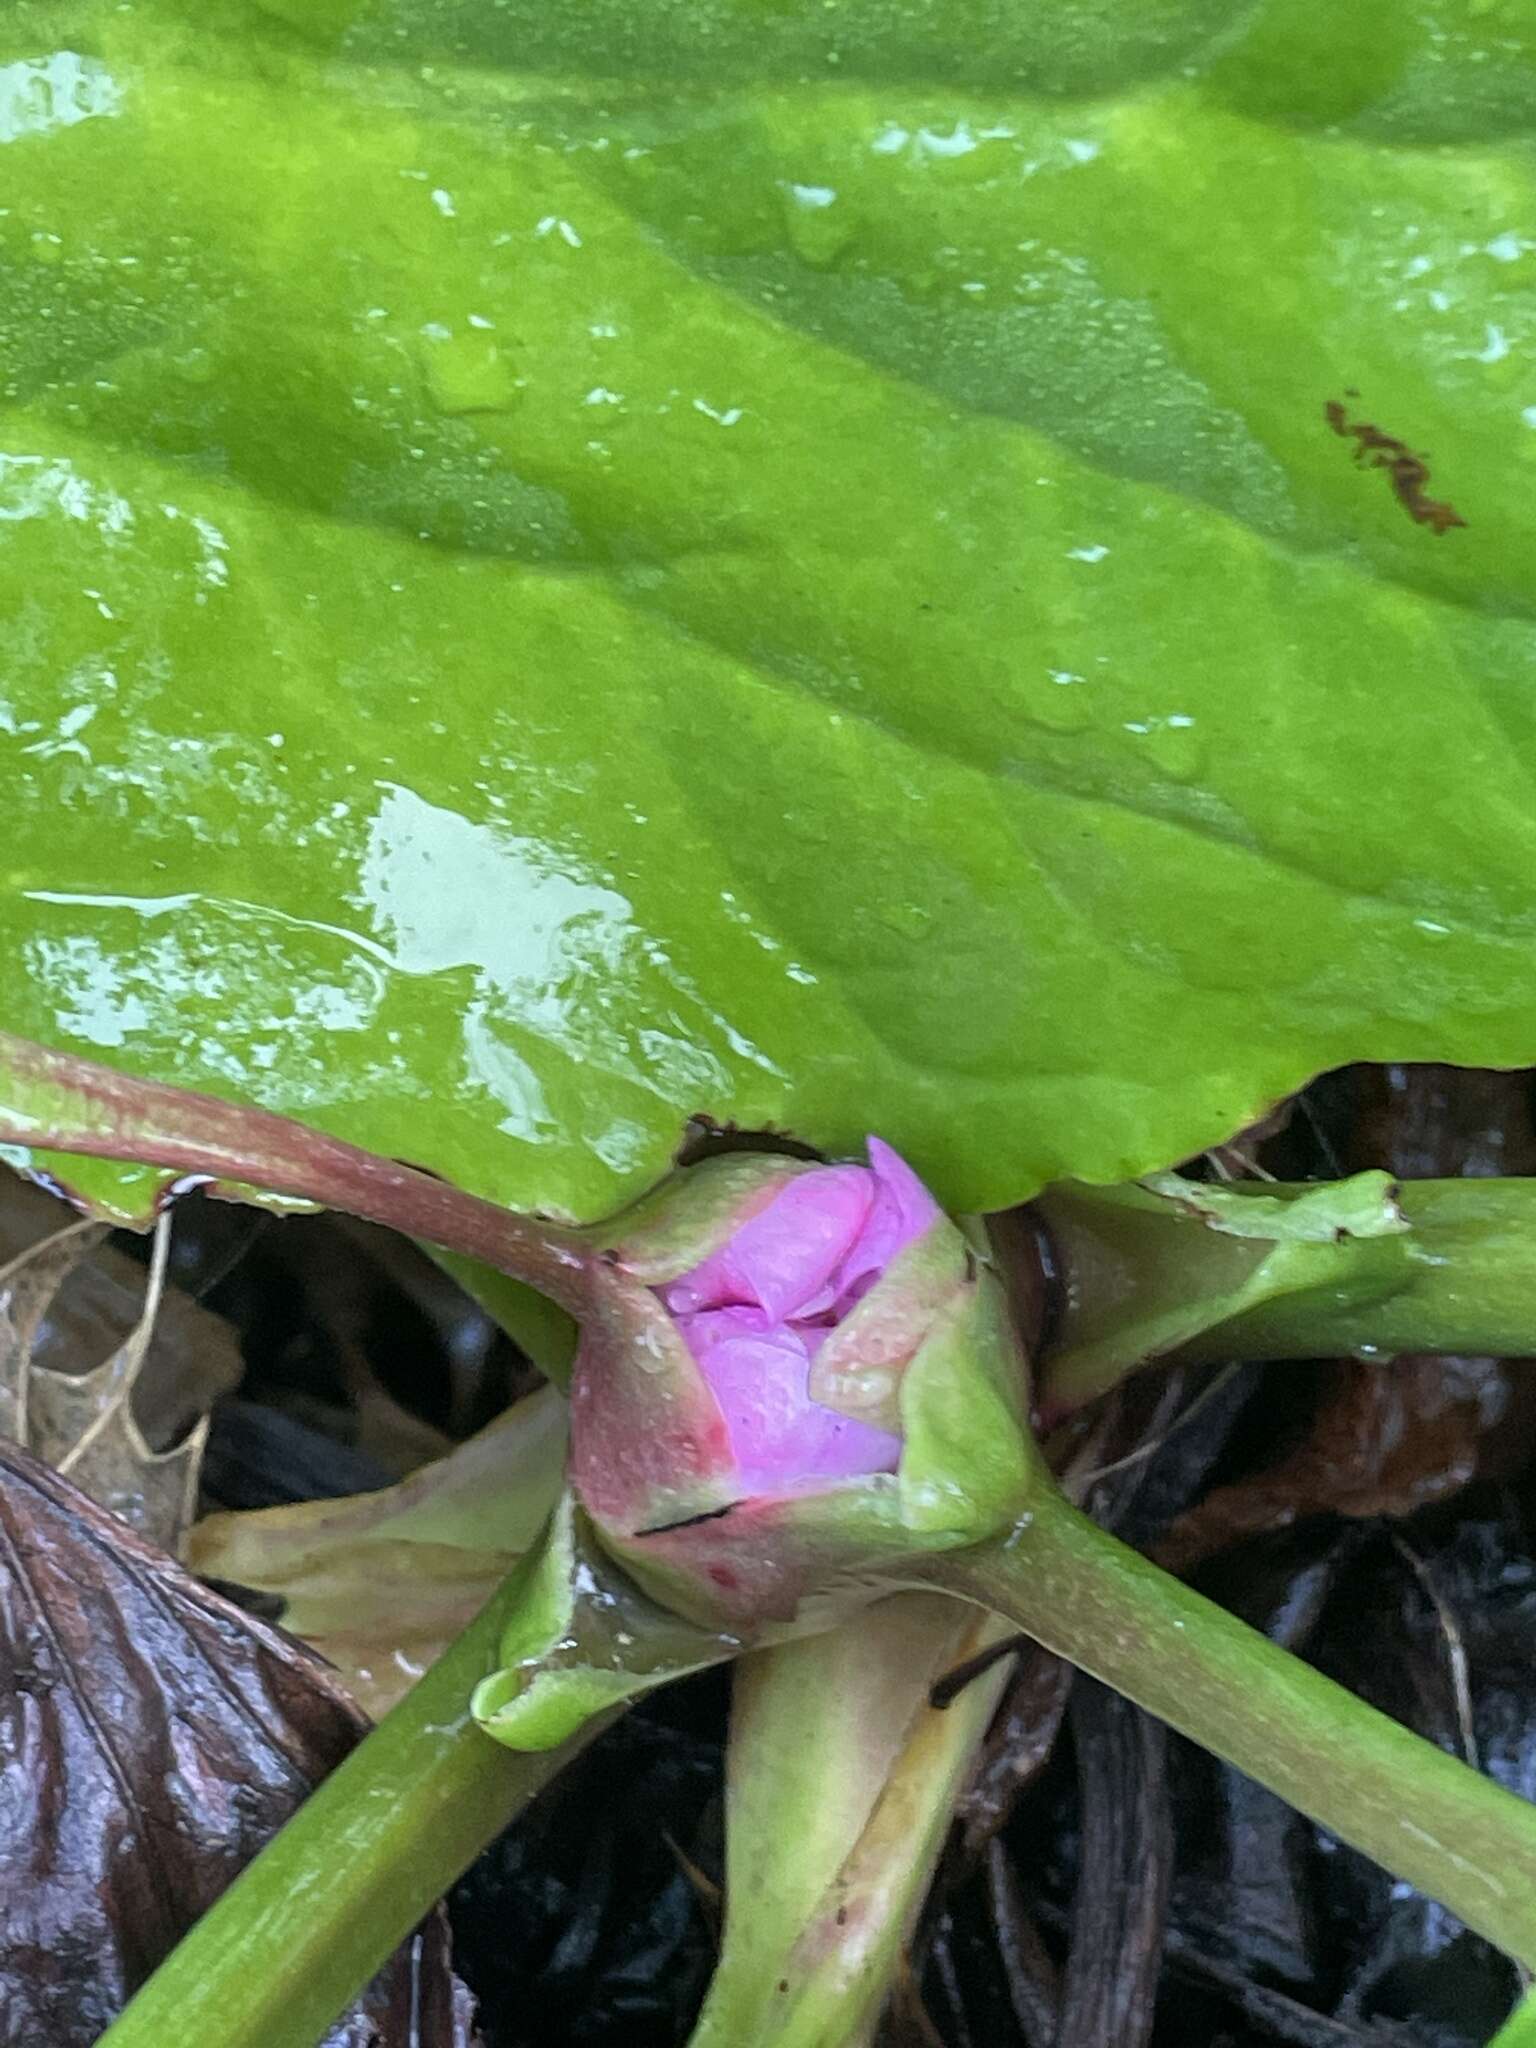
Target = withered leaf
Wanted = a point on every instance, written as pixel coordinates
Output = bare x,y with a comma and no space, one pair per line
1389,1439
30,1278
104,1375
380,1583
152,1738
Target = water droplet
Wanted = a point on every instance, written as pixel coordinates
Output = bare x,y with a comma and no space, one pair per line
866,1392
1175,746
925,284
819,228
196,366
910,920
1061,705
1431,928
468,372
58,91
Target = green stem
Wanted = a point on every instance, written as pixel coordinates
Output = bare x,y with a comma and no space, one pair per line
307,1923
841,1782
1422,1814
1143,1277
1470,1284
1519,2030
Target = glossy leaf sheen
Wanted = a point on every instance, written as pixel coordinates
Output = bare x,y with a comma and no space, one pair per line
566,567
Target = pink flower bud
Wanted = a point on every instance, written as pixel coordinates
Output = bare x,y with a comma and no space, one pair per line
744,1347
756,1312
790,1378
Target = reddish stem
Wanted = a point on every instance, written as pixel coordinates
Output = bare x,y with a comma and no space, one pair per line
78,1105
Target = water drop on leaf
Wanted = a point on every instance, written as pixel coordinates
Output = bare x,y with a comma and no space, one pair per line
1175,746
469,373
819,228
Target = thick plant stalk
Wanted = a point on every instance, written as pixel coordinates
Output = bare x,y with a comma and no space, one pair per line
1419,1812
1174,1270
306,1924
841,1782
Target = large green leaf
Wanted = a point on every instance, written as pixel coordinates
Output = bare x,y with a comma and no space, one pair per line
565,566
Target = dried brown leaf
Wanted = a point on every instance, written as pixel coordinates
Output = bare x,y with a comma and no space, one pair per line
1391,1438
1120,1903
152,1737
29,1280
116,1345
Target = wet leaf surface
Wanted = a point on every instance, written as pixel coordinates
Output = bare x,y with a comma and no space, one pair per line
151,1738
498,564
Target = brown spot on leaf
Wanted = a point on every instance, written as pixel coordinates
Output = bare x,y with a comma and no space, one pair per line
1409,472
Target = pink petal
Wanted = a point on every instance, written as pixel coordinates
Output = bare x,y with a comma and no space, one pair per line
755,1312
834,1446
780,1437
900,1212
786,1254
705,1330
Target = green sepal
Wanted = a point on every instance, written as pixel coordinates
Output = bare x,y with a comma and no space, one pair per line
693,1212
970,1461
582,1638
860,1368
